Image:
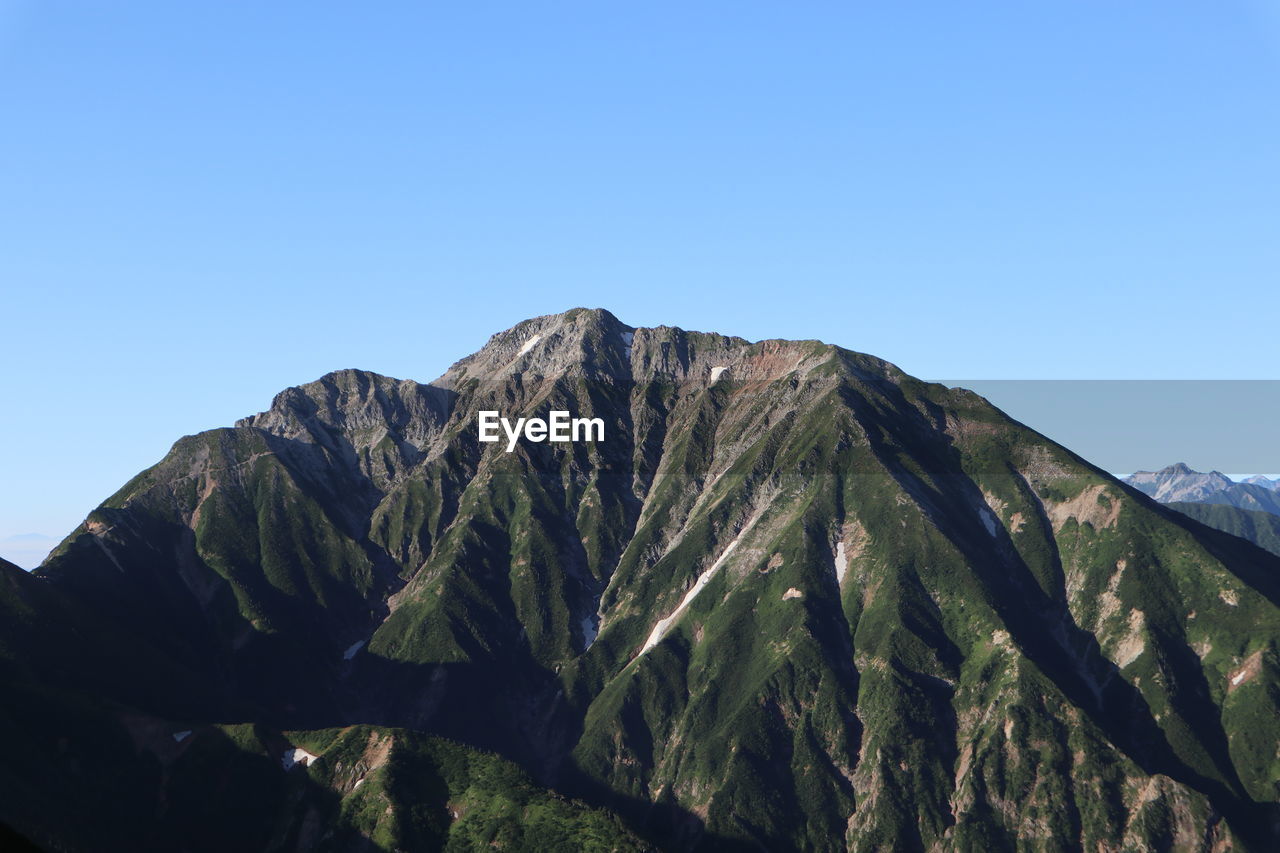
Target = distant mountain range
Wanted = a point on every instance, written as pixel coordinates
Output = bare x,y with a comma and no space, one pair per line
1180,483
1249,509
794,599
1259,480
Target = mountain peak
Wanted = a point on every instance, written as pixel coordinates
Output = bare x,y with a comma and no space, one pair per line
365,407
1181,484
1264,482
549,345
594,344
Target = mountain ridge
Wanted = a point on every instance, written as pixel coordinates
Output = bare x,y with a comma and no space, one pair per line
854,569
1178,483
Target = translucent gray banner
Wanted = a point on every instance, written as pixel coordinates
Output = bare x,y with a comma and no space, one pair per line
1144,425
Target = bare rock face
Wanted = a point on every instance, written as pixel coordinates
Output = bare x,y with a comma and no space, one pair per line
1179,483
793,599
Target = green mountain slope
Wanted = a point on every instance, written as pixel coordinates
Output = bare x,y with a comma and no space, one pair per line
795,599
83,772
1260,528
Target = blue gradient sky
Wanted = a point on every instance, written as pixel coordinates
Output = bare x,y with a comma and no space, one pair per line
206,202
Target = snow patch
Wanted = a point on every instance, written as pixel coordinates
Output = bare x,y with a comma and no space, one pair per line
989,520
358,783
352,649
1248,670
792,593
664,625
528,345
181,736
1229,597
717,372
842,563
296,755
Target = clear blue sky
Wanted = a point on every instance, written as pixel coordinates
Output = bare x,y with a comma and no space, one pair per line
206,202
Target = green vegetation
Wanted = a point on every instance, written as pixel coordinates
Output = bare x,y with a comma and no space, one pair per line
1260,528
921,625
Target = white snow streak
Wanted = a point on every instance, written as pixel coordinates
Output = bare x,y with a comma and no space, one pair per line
842,563
716,373
1239,678
297,755
528,345
660,630
181,736
352,649
989,519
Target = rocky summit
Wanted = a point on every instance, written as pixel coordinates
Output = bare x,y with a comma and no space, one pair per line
788,598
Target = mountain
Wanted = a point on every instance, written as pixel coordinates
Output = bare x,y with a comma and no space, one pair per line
1264,482
1178,483
793,599
1260,528
83,771
1249,509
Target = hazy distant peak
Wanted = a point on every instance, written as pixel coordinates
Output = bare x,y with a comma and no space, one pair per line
1178,483
1264,482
